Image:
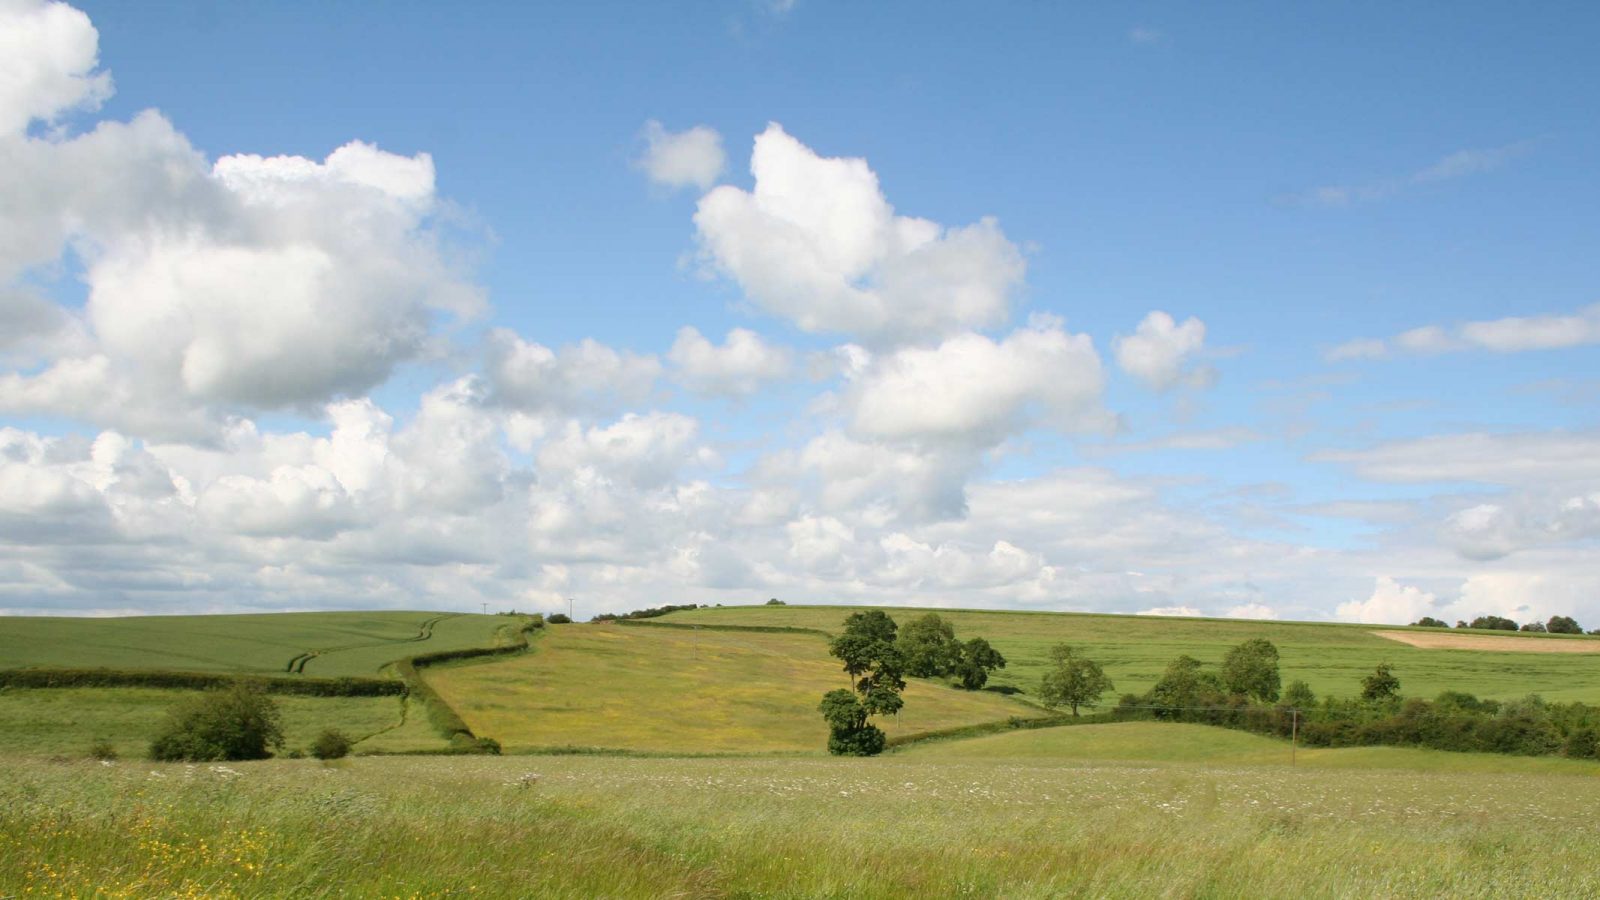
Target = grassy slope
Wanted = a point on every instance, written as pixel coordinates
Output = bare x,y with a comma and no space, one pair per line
357,643
1168,742
1135,649
890,827
64,721
665,689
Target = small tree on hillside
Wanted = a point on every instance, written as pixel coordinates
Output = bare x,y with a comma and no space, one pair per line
1073,681
1381,684
848,731
1535,627
1252,669
1494,623
1298,695
977,660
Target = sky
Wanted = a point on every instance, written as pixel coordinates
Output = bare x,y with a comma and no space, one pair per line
1247,310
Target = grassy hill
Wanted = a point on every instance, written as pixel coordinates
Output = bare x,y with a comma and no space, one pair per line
1134,650
327,644
644,688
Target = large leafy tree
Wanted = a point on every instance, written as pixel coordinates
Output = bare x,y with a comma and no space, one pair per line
976,661
1072,681
1251,669
929,646
877,670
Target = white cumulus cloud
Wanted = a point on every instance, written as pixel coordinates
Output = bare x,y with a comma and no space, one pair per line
1161,352
815,242
678,159
740,367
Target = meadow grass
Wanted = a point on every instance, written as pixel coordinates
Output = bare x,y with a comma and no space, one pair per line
1134,650
347,643
894,826
676,690
1124,742
65,721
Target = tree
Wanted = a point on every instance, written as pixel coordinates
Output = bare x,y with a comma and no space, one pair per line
1494,623
977,660
776,602
240,722
1252,669
929,646
1381,684
1430,622
876,667
1073,681
1299,695
1563,625
559,619
848,731
1535,627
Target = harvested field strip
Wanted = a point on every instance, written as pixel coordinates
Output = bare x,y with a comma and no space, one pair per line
1495,643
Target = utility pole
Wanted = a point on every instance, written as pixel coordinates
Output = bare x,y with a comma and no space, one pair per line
486,607
697,642
569,607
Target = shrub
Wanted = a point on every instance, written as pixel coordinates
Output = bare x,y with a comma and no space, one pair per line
331,744
102,750
241,722
1581,744
1563,625
559,619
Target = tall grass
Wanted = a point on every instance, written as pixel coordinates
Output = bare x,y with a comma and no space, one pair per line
889,827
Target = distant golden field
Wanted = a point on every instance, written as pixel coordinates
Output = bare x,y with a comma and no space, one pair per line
678,690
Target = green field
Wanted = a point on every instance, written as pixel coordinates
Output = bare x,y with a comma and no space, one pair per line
332,644
679,690
1203,744
1134,650
65,721
897,826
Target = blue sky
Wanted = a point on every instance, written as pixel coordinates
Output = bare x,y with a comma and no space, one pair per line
1370,233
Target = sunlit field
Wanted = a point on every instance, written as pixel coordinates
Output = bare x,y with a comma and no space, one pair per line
889,827
1134,650
666,689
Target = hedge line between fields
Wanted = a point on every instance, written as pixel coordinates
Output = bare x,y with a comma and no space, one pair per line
1015,723
160,678
441,715
764,629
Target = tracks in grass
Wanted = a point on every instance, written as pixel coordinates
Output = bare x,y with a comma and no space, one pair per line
297,665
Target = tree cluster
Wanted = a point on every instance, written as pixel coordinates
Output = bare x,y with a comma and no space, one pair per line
650,613
1237,696
930,648
1555,625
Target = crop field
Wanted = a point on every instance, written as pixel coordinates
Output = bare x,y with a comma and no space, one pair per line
1134,650
1123,742
65,721
322,644
680,690
896,826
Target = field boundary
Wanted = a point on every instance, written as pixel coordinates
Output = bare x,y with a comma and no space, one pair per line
441,715
760,629
297,665
159,678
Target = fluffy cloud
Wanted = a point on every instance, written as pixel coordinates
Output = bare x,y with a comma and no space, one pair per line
816,243
740,367
49,53
973,391
1487,531
1513,334
1390,603
587,377
691,158
1161,352
252,283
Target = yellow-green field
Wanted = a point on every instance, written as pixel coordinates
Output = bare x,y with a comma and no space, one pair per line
679,690
1134,650
896,826
1123,742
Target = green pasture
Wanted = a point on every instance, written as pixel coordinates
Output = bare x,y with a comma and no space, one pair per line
644,688
332,644
896,826
1123,742
65,721
1134,650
